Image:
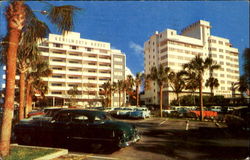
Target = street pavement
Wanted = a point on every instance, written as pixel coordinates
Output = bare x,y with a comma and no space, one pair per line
168,139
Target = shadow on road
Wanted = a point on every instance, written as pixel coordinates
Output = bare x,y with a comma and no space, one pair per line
196,144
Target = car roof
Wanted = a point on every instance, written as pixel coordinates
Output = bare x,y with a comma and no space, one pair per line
82,111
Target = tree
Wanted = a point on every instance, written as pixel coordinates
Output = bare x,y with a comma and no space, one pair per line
73,92
160,75
34,81
120,84
191,83
128,86
105,90
17,15
199,66
212,83
138,81
177,83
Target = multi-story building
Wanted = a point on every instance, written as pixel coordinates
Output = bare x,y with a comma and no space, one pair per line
173,50
84,63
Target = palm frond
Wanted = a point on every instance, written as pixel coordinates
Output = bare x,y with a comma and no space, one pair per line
62,16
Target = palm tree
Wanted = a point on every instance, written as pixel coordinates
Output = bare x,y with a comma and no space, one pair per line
113,89
128,86
199,66
35,83
160,75
106,90
120,85
73,92
17,15
138,81
177,83
212,83
191,83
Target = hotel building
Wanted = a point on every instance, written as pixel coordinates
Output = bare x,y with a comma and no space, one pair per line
173,50
84,63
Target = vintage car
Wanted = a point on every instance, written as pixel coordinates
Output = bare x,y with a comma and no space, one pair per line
140,112
70,125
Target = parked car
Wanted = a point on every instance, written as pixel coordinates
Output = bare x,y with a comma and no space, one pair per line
48,112
122,112
239,119
140,112
77,125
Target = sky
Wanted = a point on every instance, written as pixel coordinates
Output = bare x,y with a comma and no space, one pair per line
127,25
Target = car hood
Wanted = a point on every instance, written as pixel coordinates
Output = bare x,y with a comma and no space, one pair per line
120,125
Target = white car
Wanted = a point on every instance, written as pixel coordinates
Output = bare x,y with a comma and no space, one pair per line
140,112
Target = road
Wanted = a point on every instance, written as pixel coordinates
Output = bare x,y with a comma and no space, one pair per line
164,139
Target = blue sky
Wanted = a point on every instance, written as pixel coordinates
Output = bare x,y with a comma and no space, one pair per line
127,25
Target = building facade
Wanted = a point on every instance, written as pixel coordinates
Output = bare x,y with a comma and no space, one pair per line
84,63
173,50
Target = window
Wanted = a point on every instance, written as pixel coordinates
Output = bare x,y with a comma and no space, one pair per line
56,84
56,76
78,118
56,92
89,49
57,45
73,47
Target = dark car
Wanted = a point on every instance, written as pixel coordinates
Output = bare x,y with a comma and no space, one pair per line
79,125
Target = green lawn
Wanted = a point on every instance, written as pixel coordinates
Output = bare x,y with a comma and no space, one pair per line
27,153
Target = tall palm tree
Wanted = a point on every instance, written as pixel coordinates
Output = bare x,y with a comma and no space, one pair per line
246,55
120,84
160,75
128,86
105,90
17,15
191,83
113,90
199,66
212,83
177,83
34,81
73,92
138,81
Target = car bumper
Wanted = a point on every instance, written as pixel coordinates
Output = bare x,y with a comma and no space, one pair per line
128,143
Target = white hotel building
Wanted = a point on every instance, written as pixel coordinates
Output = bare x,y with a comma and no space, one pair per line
173,50
82,62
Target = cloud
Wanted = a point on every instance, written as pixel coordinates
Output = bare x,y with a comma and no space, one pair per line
138,49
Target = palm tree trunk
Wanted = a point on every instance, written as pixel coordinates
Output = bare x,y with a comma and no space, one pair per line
15,14
137,95
201,101
119,98
28,97
22,95
161,87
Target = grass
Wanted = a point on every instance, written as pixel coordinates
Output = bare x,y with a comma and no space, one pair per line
27,153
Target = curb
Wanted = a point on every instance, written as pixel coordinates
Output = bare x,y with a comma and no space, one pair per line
59,153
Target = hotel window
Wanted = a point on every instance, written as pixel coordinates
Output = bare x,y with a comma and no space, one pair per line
89,49
56,76
73,47
220,50
56,92
71,77
57,45
57,60
57,68
56,84
91,79
76,62
220,42
92,71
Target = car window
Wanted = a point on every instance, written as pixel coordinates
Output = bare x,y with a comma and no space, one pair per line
79,118
63,117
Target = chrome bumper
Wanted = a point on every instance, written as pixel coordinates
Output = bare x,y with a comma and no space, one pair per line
128,143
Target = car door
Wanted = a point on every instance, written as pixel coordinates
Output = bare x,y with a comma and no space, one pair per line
62,126
80,127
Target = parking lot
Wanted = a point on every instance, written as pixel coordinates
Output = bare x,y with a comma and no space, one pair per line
167,139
